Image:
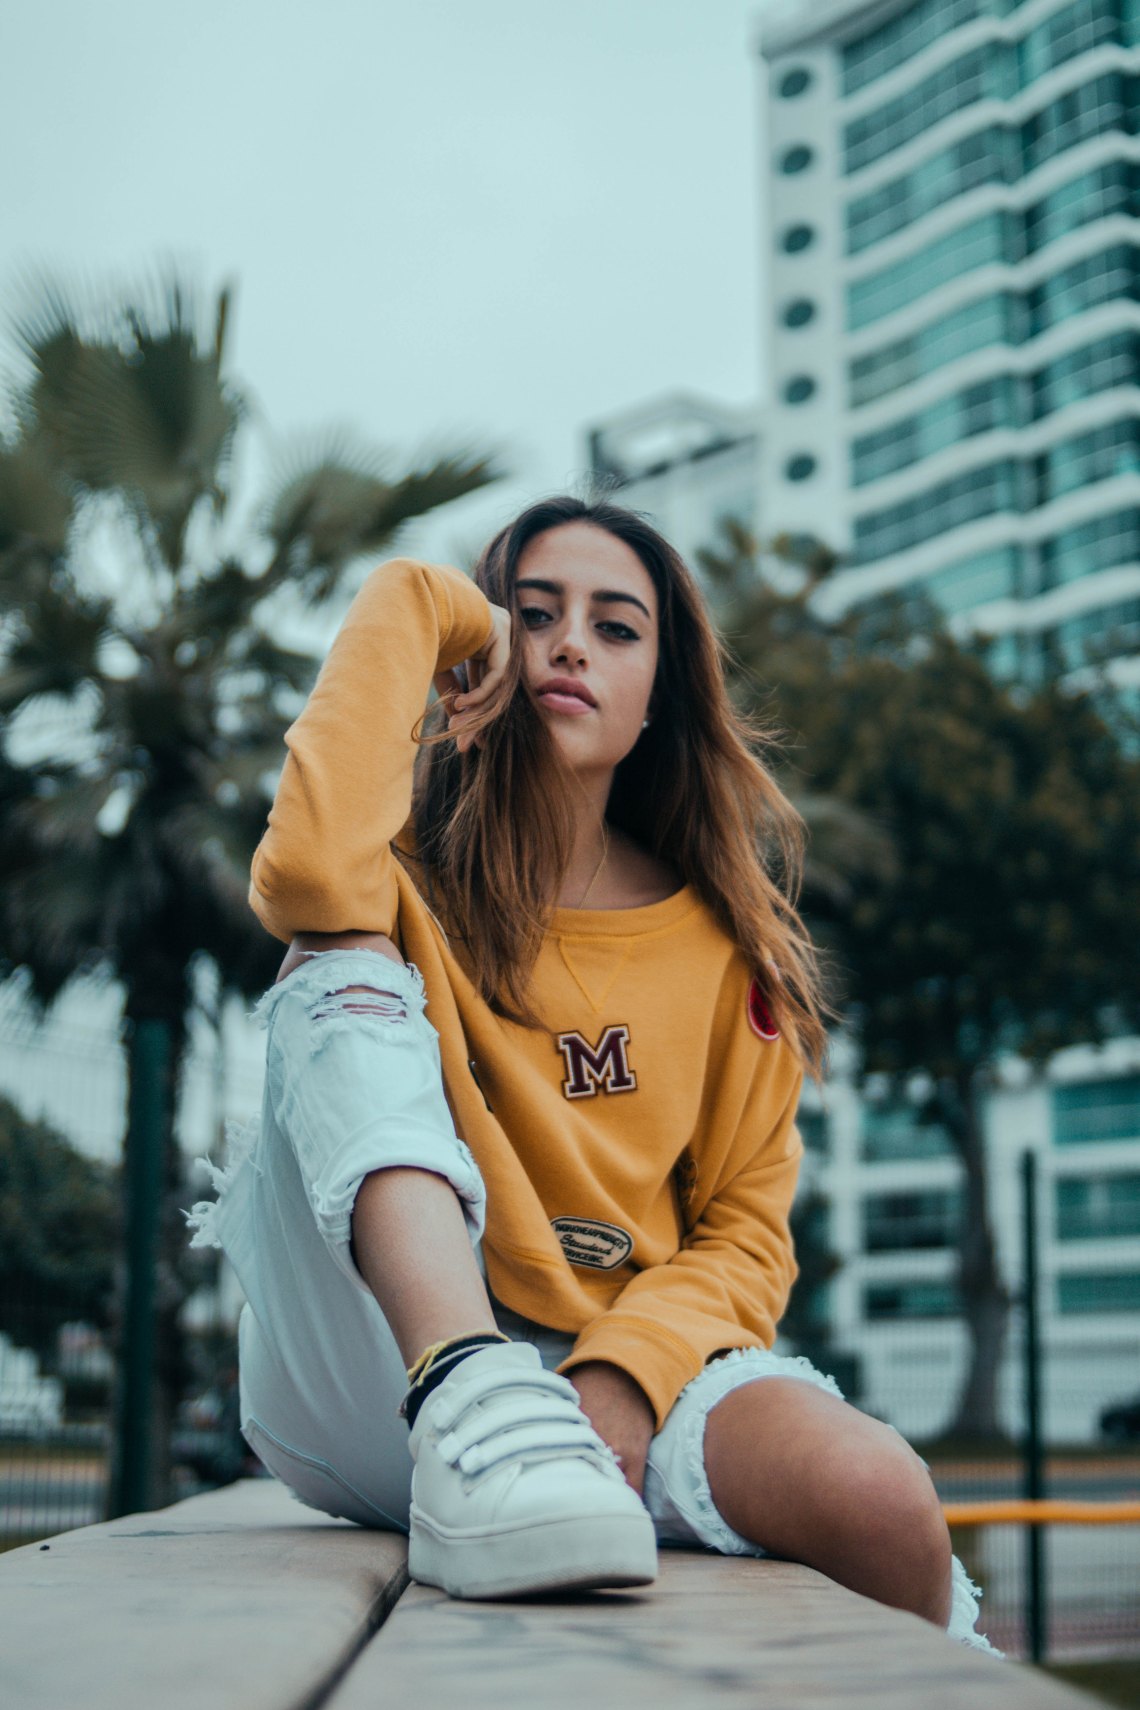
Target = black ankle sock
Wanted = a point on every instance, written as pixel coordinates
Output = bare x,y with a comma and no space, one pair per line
442,1365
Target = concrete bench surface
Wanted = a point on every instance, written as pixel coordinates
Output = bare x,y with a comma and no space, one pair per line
244,1599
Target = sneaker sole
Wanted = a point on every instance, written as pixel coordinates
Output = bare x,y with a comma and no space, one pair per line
557,1555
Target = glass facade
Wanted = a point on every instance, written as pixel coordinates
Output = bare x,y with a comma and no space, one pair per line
1010,484
1013,571
912,1221
977,409
1006,401
1103,543
999,238
1095,367
1099,1291
980,243
1003,317
965,498
1088,1111
908,34
1097,1207
1094,636
989,320
910,1300
813,1128
996,70
991,156
974,581
974,76
985,158
893,1131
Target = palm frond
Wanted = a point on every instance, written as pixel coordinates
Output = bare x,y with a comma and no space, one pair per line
327,513
844,846
35,505
132,402
56,646
278,666
61,811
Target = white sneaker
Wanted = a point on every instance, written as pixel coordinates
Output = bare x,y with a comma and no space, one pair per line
514,1491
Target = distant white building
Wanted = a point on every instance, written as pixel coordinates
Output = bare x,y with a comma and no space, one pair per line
686,461
892,1187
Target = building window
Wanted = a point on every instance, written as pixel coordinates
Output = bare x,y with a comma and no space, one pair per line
812,1125
974,581
910,1300
796,159
1105,543
799,312
798,238
1092,637
1092,1208
800,467
893,1131
795,82
879,51
1087,1111
911,1222
1099,1291
799,389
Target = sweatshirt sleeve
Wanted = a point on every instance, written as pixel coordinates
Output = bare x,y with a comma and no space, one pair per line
727,1286
324,864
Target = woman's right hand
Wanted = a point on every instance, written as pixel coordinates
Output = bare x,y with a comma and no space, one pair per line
485,671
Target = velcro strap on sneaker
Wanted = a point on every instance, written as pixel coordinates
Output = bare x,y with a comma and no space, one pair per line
448,1408
511,1414
532,1442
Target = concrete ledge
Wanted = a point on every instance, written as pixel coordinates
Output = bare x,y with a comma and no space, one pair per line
711,1630
244,1599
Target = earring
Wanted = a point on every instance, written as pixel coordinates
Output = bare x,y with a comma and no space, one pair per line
645,724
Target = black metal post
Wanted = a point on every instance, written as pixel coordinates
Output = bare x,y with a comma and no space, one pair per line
132,1450
1036,1611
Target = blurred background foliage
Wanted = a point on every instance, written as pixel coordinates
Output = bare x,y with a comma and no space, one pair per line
144,687
972,861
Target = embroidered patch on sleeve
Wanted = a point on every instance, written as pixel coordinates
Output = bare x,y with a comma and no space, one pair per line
589,1241
759,1015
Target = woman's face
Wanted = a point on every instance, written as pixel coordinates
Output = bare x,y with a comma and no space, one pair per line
588,610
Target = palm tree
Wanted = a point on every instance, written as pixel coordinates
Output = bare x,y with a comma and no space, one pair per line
144,691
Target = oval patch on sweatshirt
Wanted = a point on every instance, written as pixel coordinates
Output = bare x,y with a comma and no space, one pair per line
759,1015
589,1241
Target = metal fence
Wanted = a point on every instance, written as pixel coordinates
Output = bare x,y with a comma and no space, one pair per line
66,1076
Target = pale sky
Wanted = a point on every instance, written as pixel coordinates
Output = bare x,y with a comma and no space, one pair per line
487,221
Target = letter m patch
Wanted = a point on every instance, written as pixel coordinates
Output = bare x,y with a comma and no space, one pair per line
603,1067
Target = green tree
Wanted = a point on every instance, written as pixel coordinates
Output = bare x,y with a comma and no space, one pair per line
779,656
59,1225
1007,919
144,684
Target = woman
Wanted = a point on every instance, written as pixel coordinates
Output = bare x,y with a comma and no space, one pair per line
621,1005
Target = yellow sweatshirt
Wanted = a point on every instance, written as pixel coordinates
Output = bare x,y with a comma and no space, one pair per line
640,1152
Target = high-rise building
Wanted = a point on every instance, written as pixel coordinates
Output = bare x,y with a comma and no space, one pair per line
953,314
953,334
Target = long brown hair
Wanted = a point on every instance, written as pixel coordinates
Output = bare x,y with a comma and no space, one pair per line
494,826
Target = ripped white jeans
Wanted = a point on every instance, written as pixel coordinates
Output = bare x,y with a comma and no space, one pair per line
354,1084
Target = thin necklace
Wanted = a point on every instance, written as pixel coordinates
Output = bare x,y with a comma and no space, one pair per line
605,851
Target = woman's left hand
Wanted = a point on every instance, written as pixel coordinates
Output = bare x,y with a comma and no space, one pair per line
620,1412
